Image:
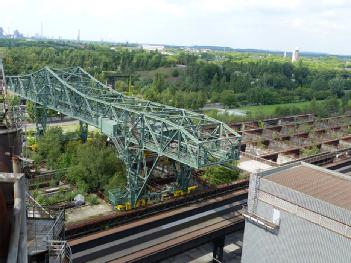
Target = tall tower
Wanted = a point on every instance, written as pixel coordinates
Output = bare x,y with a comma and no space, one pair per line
295,55
78,37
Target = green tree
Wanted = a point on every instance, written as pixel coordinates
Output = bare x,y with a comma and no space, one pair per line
218,175
94,166
337,86
50,147
215,83
345,102
228,98
314,106
332,105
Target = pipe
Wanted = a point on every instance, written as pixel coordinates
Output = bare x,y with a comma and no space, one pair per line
23,253
15,165
4,228
18,242
16,226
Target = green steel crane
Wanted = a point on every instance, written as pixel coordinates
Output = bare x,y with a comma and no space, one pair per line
190,140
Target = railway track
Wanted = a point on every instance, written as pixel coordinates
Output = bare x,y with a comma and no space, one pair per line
164,234
189,240
77,230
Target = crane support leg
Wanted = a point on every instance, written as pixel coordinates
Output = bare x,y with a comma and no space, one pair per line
41,118
183,175
139,169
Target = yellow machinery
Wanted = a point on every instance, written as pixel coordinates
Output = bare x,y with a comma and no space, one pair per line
127,206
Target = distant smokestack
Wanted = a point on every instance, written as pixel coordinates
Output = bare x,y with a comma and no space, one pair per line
295,55
78,37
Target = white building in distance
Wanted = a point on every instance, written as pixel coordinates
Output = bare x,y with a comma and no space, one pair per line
295,55
152,47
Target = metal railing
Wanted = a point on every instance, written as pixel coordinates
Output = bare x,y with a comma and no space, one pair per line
59,251
34,209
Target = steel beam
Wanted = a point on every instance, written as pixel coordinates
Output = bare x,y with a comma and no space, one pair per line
135,125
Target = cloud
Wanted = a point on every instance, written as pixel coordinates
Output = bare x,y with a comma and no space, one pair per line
270,24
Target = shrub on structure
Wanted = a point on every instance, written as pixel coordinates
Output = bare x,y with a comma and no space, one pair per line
50,147
94,165
90,166
92,199
310,151
217,175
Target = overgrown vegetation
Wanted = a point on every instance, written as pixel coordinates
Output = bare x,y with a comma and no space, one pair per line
190,80
325,108
313,150
217,175
54,199
63,197
91,167
263,85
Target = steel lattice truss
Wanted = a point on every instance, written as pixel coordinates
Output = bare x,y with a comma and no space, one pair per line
191,139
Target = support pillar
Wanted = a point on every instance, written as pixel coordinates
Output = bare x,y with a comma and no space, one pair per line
218,245
41,118
183,176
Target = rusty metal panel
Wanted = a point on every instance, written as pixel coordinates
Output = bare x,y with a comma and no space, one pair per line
10,144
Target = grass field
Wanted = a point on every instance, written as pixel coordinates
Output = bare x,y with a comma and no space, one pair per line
66,126
268,110
258,112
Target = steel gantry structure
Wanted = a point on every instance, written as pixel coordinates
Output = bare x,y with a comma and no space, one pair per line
190,140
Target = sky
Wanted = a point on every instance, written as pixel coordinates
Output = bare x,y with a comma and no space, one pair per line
311,25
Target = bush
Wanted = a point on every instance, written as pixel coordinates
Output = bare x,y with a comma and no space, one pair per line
93,166
217,175
175,73
310,151
39,197
92,199
287,110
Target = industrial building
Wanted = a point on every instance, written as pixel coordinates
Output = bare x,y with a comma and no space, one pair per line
298,213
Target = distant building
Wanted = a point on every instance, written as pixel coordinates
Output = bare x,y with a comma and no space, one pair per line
295,55
298,213
152,47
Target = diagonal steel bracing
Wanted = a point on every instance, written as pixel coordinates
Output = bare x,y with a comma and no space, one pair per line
190,139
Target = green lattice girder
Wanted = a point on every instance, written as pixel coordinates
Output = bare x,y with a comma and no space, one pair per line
187,137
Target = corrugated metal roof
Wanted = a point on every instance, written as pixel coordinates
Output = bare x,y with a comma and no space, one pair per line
316,182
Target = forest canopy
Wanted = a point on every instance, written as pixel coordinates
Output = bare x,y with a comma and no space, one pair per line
191,80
